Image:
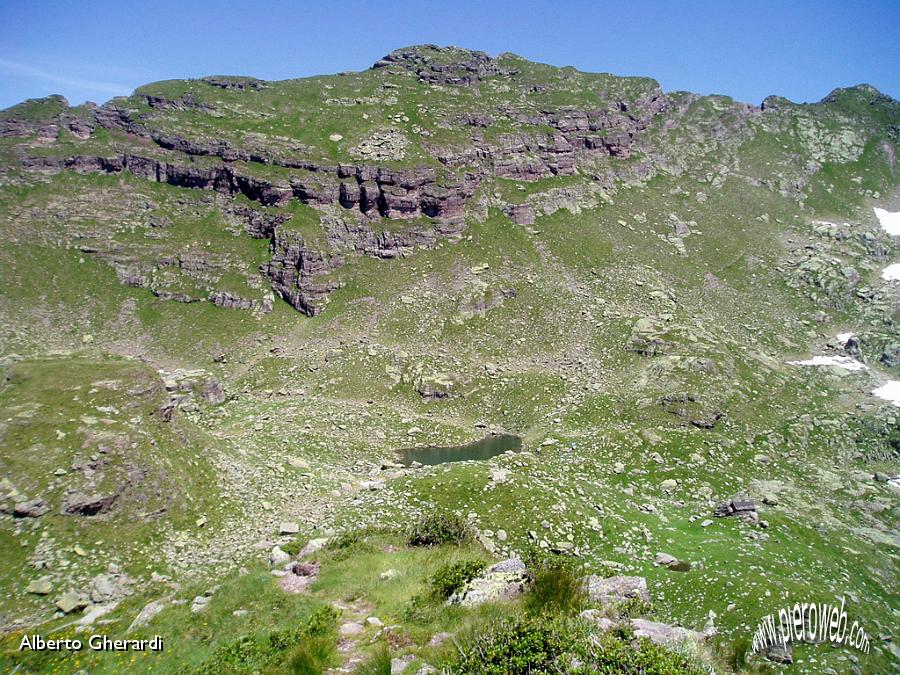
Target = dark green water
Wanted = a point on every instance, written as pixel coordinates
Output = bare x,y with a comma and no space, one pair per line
479,450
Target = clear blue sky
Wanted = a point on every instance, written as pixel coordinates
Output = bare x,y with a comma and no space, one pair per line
97,49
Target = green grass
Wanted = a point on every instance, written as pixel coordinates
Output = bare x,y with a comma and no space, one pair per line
537,321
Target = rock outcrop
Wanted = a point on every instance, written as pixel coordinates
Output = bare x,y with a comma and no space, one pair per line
663,634
502,581
444,65
616,589
80,504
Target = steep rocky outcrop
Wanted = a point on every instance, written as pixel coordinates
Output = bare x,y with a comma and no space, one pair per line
609,131
296,269
444,65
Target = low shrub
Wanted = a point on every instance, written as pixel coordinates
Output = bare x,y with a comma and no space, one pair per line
514,645
322,621
293,547
451,578
631,608
609,654
557,587
345,540
346,544
622,630
436,528
738,655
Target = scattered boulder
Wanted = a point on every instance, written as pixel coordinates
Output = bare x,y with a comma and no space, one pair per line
40,586
399,664
34,508
351,629
278,556
666,635
510,565
71,602
562,547
737,506
691,408
441,385
211,391
891,356
148,612
298,463
94,612
312,546
80,504
659,633
681,228
502,581
109,587
617,589
780,653
672,563
521,214
289,528
646,337
199,604
664,560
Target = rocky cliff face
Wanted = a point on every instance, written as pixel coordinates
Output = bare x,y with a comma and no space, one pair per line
521,122
675,300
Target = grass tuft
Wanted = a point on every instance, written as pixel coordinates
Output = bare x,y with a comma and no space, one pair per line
436,528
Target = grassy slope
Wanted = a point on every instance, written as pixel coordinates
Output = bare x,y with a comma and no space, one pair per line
581,281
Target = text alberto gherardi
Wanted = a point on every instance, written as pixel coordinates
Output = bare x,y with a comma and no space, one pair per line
98,643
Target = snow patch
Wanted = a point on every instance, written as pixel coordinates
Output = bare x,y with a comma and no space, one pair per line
891,272
889,392
890,222
844,338
830,224
844,362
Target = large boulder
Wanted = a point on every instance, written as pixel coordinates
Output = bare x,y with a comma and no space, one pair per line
148,612
502,581
666,635
71,602
34,508
617,589
80,504
313,546
278,556
659,633
42,586
109,587
740,505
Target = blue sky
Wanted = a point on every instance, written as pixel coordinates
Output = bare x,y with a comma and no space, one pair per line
93,50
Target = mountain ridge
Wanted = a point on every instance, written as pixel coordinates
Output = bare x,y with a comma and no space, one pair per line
228,305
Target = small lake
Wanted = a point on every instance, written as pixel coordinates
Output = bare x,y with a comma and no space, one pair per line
479,450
